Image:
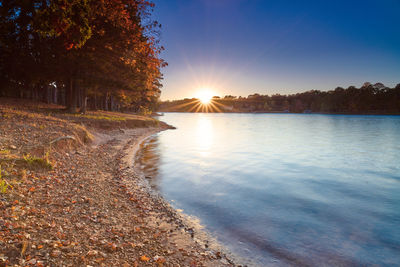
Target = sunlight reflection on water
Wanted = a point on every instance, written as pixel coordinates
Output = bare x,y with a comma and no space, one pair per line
204,135
286,189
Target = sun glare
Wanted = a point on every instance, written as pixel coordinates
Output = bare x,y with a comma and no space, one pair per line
205,96
203,101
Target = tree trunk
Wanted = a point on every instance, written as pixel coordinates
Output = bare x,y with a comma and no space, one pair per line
32,95
83,100
55,95
79,96
71,96
68,94
111,103
106,102
95,102
48,94
63,95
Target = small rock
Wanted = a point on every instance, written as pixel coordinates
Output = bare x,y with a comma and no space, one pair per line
66,249
92,253
32,262
93,240
224,261
111,247
55,253
13,147
73,254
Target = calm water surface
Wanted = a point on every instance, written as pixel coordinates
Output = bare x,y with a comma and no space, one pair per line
285,189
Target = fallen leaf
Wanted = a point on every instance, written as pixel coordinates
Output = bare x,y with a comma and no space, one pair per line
24,246
144,258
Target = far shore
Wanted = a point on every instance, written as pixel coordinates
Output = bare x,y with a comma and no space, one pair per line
160,113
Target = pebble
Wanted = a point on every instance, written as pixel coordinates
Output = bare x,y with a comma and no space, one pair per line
92,253
224,261
32,261
55,253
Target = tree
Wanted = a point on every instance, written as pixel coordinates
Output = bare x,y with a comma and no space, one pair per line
101,48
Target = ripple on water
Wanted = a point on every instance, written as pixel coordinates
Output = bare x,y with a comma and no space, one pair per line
286,189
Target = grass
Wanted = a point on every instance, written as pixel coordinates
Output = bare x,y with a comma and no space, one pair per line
3,183
111,120
3,186
100,117
39,162
5,152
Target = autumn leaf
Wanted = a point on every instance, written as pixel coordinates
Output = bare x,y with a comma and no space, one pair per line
160,261
144,258
24,246
156,235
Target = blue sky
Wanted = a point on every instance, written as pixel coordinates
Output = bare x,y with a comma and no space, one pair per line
240,47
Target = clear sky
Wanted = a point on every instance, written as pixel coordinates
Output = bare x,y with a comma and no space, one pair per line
240,47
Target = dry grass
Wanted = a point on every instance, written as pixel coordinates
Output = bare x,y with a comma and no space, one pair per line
110,120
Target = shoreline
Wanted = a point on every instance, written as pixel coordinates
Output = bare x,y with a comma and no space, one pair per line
79,201
190,230
76,197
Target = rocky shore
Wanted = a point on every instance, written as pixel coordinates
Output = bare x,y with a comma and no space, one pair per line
71,197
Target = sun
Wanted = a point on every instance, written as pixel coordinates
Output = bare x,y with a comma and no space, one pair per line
204,100
205,96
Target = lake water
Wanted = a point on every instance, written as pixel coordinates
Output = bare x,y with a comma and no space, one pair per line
286,189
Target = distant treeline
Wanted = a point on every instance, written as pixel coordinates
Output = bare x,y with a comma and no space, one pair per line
368,99
81,54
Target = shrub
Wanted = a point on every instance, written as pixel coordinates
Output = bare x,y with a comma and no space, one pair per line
3,183
39,162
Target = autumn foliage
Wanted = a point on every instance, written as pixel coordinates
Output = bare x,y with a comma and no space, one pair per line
103,54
